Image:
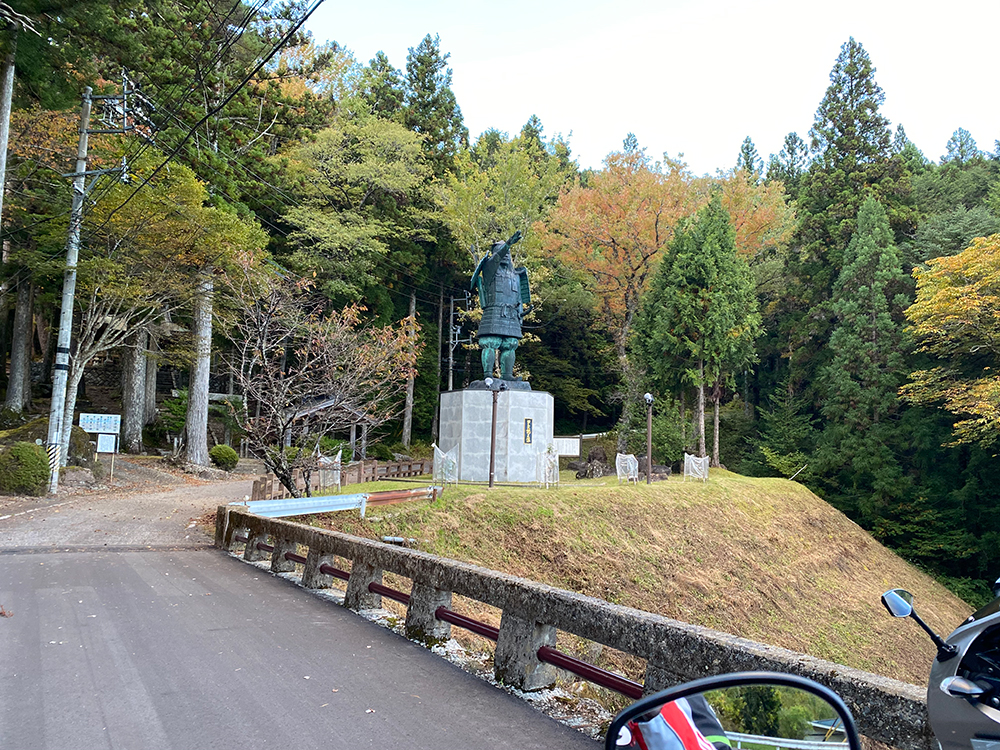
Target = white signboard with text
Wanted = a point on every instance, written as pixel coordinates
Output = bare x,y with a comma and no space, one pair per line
108,424
107,443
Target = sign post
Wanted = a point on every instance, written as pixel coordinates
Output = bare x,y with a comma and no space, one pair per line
107,427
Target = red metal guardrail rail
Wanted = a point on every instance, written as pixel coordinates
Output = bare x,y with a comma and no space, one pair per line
547,654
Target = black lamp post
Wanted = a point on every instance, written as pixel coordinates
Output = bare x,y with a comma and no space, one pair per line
649,437
501,386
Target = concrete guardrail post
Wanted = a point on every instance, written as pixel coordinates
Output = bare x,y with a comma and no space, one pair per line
660,678
515,661
358,596
221,526
278,562
421,624
251,553
311,577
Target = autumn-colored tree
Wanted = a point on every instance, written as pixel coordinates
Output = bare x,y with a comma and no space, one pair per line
761,216
616,226
955,320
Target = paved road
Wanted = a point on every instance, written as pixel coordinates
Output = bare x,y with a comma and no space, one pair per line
152,642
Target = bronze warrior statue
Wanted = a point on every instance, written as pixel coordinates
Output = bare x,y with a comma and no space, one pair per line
505,298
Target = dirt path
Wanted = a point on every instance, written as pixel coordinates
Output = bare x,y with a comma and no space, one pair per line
146,507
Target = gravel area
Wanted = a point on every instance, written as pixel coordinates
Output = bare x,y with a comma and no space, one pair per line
146,506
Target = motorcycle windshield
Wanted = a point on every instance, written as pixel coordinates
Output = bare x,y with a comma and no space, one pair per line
990,609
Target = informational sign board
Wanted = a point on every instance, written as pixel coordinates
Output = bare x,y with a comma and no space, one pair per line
108,424
107,443
528,425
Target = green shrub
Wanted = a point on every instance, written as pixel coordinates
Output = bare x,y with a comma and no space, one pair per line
224,457
381,452
24,469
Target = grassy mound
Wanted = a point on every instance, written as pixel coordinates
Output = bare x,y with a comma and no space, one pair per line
765,559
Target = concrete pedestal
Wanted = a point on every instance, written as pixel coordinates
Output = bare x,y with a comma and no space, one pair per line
524,431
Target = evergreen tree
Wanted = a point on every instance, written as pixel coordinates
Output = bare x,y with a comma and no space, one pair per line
787,432
962,148
860,384
790,164
948,233
699,321
955,183
853,161
381,88
749,160
912,157
431,107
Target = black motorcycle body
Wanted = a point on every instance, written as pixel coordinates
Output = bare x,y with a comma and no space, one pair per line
963,691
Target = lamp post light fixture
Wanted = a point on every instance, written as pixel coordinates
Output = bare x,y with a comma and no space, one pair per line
649,437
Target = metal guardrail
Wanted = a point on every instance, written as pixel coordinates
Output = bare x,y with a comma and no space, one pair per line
759,741
301,506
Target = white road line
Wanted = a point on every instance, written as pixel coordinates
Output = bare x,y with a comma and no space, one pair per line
45,507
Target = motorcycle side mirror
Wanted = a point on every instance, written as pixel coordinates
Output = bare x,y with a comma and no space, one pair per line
899,602
746,709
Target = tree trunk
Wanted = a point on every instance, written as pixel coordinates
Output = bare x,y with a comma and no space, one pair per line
133,393
701,409
18,396
5,328
196,422
408,408
149,398
716,396
30,349
227,435
72,388
6,94
682,409
46,345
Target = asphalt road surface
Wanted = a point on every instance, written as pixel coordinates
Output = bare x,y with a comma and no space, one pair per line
119,636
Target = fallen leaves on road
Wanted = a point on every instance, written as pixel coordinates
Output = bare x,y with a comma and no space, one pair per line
5,613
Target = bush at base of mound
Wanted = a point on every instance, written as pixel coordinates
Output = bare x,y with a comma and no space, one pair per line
224,457
24,469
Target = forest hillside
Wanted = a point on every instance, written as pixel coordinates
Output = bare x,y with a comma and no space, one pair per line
765,559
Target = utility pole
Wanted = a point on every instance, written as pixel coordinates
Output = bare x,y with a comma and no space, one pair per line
451,341
61,368
57,445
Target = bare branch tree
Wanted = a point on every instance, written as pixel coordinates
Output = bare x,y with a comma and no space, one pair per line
305,373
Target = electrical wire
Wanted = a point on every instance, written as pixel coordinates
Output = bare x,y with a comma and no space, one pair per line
219,107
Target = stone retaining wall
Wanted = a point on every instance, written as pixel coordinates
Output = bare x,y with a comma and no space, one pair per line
886,710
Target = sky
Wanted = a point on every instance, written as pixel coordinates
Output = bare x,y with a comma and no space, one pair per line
691,78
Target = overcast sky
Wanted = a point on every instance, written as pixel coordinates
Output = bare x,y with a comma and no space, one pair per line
690,77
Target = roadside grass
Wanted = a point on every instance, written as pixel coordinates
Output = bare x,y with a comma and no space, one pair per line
760,558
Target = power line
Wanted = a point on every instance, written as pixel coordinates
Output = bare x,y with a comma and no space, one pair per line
218,108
